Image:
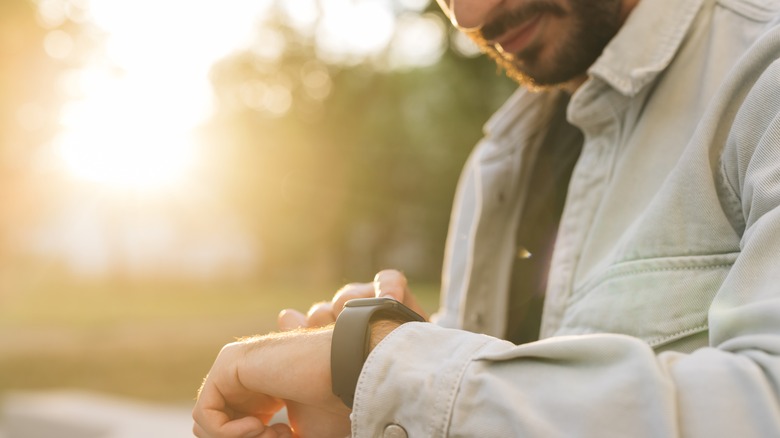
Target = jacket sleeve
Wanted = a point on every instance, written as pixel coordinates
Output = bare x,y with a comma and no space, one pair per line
437,382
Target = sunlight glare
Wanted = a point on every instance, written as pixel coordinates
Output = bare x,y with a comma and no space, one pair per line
137,103
302,15
351,31
420,41
131,147
139,99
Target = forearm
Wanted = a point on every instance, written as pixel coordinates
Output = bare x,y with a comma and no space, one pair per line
440,382
289,365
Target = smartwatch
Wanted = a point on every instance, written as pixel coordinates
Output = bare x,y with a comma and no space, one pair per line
351,337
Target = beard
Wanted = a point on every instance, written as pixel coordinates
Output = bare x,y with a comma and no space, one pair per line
589,26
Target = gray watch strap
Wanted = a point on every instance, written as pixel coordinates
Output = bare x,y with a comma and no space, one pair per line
351,336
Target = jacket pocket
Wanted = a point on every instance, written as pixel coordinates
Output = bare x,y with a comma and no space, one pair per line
658,300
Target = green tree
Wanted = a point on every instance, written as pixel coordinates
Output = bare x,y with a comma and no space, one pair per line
337,187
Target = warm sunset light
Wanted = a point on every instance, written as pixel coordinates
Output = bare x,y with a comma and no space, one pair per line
135,104
176,122
175,172
120,138
134,107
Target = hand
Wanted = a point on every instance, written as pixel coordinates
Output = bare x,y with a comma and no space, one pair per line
253,378
387,283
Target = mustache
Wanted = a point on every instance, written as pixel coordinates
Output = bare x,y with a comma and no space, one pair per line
513,18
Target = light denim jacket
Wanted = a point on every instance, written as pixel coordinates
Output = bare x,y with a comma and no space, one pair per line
662,315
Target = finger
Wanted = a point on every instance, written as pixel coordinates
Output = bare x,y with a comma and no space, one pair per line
198,431
239,428
210,411
391,283
350,292
290,319
282,430
321,314
276,431
211,416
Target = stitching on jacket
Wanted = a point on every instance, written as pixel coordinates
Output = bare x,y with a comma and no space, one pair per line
582,291
610,276
676,268
731,199
455,388
729,183
358,399
655,342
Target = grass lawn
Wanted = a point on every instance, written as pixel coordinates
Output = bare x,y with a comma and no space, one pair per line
151,340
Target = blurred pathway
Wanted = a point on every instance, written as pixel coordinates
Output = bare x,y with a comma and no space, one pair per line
78,414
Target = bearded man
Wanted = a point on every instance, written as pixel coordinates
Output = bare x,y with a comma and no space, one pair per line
612,262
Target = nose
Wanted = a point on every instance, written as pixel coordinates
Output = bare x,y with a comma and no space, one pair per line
468,14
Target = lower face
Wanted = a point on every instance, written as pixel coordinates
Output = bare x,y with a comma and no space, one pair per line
549,42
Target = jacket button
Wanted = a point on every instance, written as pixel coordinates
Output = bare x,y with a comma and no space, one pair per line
394,431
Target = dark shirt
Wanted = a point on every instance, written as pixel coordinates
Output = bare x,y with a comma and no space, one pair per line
538,226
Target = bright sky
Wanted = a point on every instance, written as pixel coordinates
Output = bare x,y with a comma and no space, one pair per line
133,107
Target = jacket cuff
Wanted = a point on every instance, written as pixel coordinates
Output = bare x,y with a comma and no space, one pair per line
411,379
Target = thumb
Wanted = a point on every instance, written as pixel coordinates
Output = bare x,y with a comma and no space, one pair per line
290,319
282,430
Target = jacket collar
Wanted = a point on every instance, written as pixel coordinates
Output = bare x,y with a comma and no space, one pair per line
642,49
646,44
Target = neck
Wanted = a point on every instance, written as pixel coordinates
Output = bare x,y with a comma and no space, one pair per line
572,86
625,10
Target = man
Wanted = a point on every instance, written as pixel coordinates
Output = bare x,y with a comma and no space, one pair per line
662,305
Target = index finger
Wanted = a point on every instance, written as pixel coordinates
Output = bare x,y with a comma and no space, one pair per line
213,418
350,292
391,283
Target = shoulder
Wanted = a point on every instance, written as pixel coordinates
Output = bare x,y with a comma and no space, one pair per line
759,105
751,159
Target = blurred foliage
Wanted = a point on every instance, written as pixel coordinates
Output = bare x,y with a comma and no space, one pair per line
359,173
337,171
149,339
28,109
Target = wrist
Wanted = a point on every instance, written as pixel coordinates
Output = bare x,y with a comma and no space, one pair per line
359,328
379,330
291,365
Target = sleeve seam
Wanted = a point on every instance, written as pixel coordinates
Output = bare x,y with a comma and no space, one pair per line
450,402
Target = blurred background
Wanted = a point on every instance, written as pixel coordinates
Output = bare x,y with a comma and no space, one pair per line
173,173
